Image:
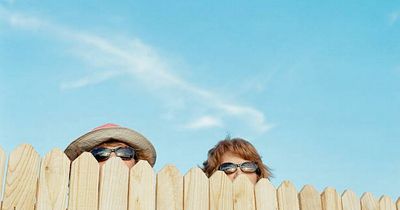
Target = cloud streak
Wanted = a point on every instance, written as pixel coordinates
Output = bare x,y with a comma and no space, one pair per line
394,17
144,63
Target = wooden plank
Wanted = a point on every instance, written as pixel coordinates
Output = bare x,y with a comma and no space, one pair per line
53,181
221,192
350,201
398,204
169,189
243,193
3,158
331,200
385,203
21,180
83,194
113,188
196,190
287,197
309,198
368,202
265,194
142,187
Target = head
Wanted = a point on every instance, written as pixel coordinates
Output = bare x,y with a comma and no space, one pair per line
115,148
236,151
113,136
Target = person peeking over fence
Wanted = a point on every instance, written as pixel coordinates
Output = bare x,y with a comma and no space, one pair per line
234,157
111,140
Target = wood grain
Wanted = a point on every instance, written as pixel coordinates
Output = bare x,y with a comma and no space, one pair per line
196,190
221,192
142,187
243,193
331,200
53,181
169,189
265,195
287,196
309,198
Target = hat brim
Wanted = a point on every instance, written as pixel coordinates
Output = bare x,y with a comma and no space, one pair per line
88,141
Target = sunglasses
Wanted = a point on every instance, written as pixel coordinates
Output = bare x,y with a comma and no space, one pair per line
102,153
246,167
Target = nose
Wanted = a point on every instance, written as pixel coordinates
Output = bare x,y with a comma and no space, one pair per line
238,172
113,154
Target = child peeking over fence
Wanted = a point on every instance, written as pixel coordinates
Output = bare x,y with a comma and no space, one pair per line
112,140
234,157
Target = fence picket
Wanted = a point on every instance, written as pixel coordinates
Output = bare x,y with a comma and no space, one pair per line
21,179
3,158
287,196
331,200
196,190
350,201
385,203
368,202
398,204
169,189
84,183
53,181
243,193
221,192
142,187
113,188
309,198
265,195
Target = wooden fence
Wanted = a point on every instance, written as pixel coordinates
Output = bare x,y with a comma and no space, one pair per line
53,183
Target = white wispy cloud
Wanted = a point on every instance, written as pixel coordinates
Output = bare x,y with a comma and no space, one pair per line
204,122
142,62
394,17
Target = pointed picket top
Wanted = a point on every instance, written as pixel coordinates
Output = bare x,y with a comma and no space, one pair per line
142,187
398,204
265,195
196,190
368,202
385,203
221,192
243,193
113,188
21,180
309,198
53,181
84,182
287,196
331,200
3,158
169,189
350,201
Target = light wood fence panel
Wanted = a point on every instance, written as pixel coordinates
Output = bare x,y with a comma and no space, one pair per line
309,198
368,202
142,187
385,203
221,192
21,180
196,190
287,196
53,181
243,193
350,201
169,189
398,204
83,194
113,188
331,200
265,194
3,158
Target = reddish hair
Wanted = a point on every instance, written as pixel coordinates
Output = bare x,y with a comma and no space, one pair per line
237,146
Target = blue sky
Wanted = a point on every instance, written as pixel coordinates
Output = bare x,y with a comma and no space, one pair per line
315,87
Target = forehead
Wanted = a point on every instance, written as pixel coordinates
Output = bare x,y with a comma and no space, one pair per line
232,158
113,144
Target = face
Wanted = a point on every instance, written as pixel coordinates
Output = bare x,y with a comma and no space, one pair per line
233,158
113,145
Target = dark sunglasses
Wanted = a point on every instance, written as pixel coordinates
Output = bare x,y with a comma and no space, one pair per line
102,153
246,167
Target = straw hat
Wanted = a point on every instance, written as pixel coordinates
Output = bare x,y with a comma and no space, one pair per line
143,148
